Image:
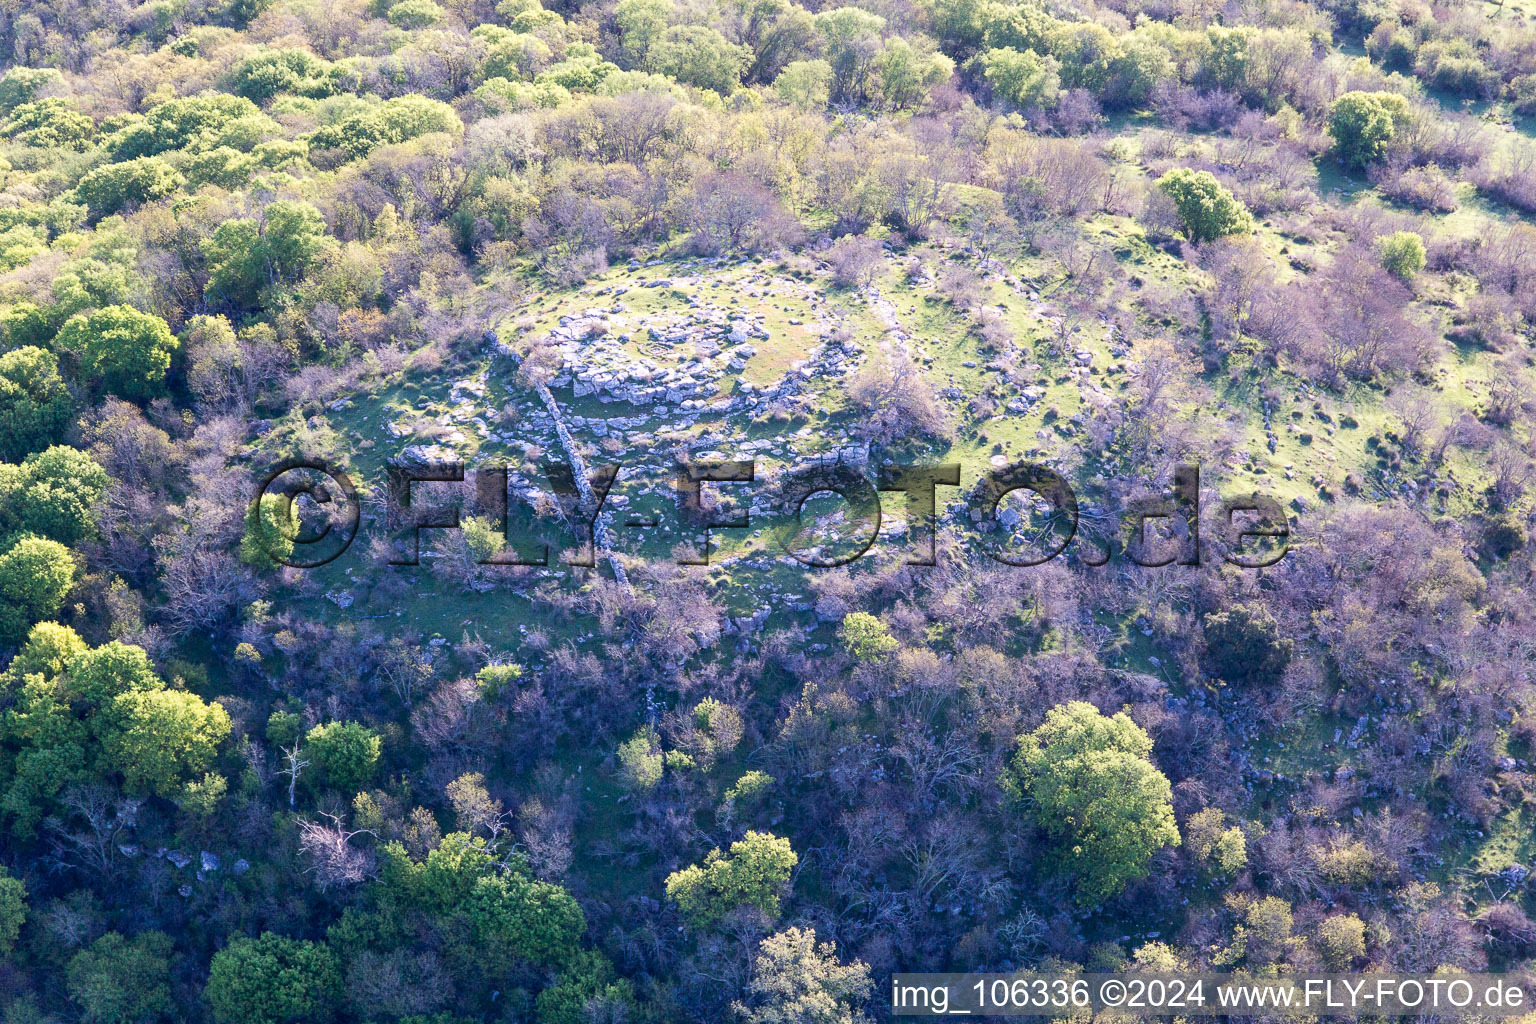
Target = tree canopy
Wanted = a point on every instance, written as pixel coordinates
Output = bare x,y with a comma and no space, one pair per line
1092,788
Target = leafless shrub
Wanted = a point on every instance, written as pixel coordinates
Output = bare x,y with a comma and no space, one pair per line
896,400
545,832
1187,108
1423,188
855,259
732,212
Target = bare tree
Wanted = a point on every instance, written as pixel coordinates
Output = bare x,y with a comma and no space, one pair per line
1417,414
334,860
1512,469
476,809
293,765
897,400
95,823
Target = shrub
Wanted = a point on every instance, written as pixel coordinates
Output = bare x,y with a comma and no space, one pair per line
1423,188
346,754
1213,843
640,760
271,527
1340,941
1363,124
750,788
1204,205
753,874
494,679
1402,253
866,638
1243,645
855,259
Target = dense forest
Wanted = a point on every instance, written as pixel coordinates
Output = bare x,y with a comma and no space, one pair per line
611,749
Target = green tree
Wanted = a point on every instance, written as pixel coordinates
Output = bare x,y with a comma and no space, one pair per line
122,981
753,874
588,981
1363,125
641,23
35,574
797,981
640,760
413,14
346,754
1402,253
1023,80
194,123
35,407
271,527
51,123
25,323
805,84
56,495
1094,789
273,980
866,638
125,352
160,739
49,650
114,187
95,678
246,255
1243,645
394,120
21,85
1205,206
904,74
850,40
518,918
86,283
1227,56
1340,941
698,55
13,910
1139,67
261,76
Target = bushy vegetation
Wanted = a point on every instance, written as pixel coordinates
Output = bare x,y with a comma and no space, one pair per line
554,775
